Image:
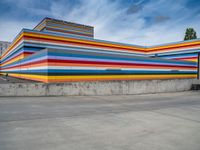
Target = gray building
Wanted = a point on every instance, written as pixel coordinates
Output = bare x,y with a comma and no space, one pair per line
3,46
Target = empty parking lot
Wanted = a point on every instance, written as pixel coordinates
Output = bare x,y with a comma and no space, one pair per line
169,121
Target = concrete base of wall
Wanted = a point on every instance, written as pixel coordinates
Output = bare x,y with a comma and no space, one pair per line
97,88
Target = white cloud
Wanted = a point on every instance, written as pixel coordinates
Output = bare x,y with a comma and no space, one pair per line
112,22
10,29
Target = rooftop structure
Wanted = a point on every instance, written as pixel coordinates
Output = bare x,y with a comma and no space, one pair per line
60,26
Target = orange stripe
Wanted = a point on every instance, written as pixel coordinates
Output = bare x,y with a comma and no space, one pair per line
118,79
13,44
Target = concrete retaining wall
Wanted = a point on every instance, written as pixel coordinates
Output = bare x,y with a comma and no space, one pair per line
96,88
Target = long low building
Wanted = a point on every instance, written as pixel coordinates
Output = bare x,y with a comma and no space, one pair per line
60,51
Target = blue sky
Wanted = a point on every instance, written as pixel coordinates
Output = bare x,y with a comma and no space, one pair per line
143,22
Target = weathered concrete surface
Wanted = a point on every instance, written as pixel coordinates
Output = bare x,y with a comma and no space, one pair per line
96,88
168,121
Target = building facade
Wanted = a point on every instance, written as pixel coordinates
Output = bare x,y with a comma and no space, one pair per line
60,51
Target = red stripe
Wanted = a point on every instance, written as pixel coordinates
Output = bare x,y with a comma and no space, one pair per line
111,63
103,63
16,56
172,48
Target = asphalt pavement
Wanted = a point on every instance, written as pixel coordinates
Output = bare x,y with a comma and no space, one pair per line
169,121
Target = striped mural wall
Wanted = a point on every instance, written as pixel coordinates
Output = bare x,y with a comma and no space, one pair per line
46,56
56,65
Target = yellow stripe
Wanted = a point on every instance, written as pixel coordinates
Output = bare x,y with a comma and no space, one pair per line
108,44
42,78
174,45
89,42
45,78
92,42
118,76
11,46
13,60
79,40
